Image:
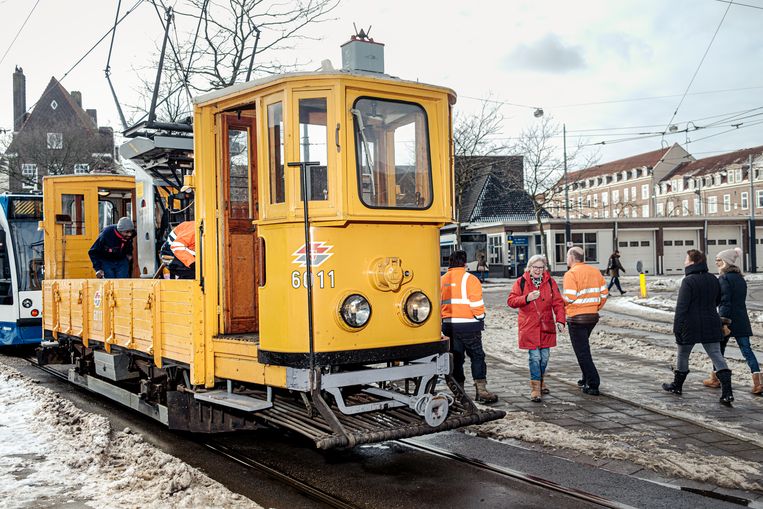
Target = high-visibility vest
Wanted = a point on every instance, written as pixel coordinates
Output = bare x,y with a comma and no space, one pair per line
461,297
585,291
182,241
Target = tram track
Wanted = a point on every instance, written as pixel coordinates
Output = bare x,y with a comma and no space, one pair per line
332,500
516,475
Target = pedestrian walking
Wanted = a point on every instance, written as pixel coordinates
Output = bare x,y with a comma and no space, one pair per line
697,321
482,268
585,293
733,311
541,315
463,320
613,270
111,253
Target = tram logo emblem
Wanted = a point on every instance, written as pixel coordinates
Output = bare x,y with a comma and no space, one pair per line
319,253
97,299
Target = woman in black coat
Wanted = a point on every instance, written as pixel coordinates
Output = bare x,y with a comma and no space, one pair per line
697,321
733,310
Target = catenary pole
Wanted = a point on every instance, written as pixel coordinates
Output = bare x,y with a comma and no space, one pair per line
567,228
753,202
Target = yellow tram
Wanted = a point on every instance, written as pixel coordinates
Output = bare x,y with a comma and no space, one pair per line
320,317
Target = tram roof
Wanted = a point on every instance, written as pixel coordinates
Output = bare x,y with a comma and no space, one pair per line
332,73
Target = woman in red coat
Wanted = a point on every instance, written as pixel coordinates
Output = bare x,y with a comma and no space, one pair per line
541,316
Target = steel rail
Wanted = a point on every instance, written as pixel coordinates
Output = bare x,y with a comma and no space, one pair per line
516,475
301,486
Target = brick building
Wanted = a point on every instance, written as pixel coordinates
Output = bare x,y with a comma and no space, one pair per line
57,137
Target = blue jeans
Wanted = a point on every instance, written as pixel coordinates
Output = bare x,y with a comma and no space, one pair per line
538,360
746,349
117,269
468,344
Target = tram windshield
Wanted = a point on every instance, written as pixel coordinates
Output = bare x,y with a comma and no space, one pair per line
27,241
392,140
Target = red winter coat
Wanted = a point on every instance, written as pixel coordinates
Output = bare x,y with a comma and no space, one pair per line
549,308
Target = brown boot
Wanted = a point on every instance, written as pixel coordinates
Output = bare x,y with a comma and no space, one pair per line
544,387
757,384
712,381
535,392
484,395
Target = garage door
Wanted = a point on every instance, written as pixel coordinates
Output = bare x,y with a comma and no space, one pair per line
720,238
636,246
675,243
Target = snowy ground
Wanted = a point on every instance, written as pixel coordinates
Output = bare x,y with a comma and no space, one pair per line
642,329
54,454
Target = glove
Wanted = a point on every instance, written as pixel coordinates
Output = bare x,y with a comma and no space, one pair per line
559,327
99,274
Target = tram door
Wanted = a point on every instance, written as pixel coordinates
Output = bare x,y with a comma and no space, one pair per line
241,245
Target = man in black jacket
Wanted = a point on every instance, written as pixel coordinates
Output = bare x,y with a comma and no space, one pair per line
697,321
111,253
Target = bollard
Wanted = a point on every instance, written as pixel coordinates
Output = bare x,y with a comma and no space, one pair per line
642,282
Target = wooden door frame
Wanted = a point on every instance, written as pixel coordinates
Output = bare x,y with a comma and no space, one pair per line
232,121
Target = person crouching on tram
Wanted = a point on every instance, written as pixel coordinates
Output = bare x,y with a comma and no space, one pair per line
111,253
541,315
463,320
181,247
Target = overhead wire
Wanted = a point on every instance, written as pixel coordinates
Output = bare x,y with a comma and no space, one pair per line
79,61
8,49
699,66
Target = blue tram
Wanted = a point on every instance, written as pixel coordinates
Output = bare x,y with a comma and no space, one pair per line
21,269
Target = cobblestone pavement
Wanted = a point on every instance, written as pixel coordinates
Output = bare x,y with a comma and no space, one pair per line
688,420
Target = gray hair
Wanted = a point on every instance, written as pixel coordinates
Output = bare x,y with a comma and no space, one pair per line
577,253
535,258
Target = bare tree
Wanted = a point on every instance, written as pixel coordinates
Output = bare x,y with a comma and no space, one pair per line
474,139
55,156
544,166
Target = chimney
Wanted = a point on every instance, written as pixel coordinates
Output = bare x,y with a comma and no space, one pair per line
361,53
77,96
93,114
19,98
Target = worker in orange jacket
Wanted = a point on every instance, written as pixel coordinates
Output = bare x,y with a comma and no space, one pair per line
585,293
181,247
463,319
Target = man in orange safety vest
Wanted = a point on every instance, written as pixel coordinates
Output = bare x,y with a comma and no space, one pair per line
463,319
585,293
181,247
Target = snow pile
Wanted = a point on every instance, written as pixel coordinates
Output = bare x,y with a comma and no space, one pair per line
640,448
52,453
663,283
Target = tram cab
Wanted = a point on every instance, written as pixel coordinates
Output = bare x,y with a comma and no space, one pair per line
321,317
21,269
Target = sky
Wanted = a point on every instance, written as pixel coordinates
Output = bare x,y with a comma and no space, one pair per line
612,72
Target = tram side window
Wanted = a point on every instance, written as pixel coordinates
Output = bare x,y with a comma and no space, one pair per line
238,157
73,205
313,145
392,140
275,153
6,284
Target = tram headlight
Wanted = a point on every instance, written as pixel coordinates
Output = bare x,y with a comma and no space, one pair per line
355,311
418,307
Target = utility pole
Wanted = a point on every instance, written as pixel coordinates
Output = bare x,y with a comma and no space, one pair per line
753,202
567,227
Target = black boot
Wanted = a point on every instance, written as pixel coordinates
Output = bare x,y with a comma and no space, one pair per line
727,396
676,386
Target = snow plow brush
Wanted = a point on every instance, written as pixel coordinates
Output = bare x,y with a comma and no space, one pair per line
330,426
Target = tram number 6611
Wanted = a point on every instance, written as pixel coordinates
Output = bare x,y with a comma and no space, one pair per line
301,279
